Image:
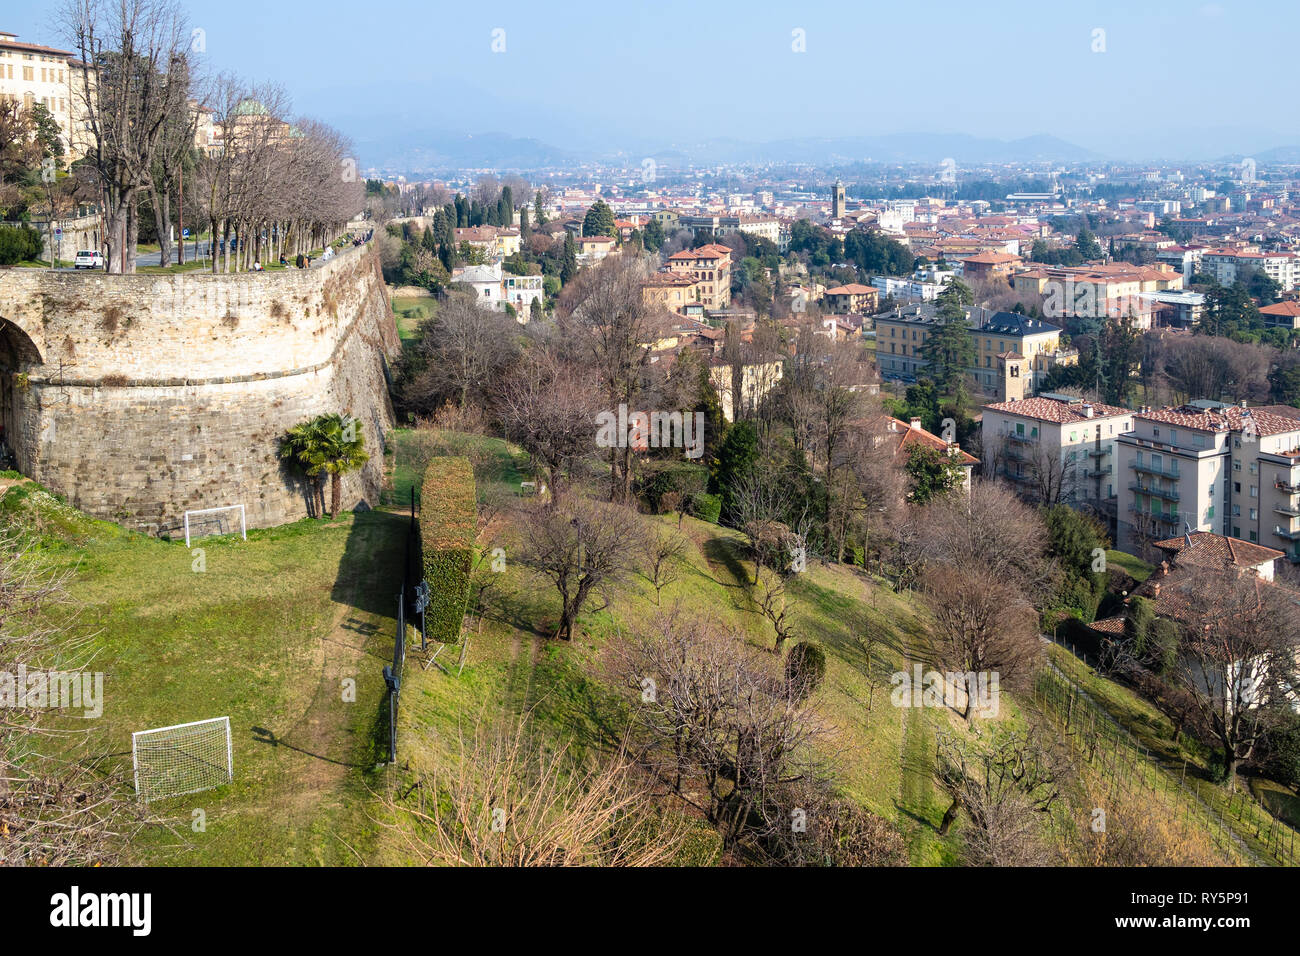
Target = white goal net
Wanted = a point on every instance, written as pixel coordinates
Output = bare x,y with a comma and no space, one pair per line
184,758
209,521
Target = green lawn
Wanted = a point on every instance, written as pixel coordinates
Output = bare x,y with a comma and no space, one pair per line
410,311
266,632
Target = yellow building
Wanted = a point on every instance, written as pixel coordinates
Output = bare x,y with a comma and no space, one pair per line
671,290
901,336
31,74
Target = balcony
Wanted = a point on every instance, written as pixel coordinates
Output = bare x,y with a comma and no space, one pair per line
1098,452
1290,511
1098,472
1021,439
1287,534
1169,494
1283,485
1171,517
1150,470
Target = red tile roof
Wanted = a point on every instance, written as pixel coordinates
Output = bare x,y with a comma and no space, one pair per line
1217,548
1053,410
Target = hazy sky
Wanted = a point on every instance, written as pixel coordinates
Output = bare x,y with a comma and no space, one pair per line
1175,79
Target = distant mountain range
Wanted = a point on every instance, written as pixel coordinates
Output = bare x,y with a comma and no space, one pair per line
425,151
431,152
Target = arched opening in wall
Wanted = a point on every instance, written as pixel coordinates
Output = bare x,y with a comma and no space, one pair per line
19,357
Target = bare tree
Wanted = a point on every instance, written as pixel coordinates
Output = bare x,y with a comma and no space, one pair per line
982,624
1238,655
548,404
462,353
770,598
584,548
712,712
605,318
1004,786
662,559
506,801
131,75
54,811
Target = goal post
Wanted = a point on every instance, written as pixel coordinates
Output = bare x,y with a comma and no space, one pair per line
200,512
183,758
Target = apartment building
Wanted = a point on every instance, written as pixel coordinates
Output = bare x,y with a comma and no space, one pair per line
1057,448
1207,466
1002,340
32,74
710,266
1227,264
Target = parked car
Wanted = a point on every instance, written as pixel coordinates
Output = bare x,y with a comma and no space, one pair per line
88,259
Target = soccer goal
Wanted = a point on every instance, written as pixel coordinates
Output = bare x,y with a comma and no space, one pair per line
184,758
215,521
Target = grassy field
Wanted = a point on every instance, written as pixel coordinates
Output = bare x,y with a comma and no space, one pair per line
271,631
264,631
410,311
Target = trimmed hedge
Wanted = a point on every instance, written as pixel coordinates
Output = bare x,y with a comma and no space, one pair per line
447,528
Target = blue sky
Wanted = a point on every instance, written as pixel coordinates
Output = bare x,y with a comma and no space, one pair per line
1177,78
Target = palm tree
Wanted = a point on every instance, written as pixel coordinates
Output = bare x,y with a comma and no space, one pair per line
343,452
326,445
305,444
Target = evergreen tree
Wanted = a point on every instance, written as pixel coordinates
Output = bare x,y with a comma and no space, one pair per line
599,220
569,264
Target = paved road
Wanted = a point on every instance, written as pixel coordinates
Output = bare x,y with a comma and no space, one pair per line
193,250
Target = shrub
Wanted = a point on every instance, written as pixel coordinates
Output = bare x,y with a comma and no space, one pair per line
672,477
707,507
447,531
805,668
19,244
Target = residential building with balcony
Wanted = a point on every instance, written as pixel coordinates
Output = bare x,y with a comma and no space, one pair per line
1212,467
1057,448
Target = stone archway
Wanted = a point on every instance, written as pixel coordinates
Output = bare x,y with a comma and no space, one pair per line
19,358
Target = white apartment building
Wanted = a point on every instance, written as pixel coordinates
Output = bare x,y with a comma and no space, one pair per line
1227,264
1207,466
1057,446
495,290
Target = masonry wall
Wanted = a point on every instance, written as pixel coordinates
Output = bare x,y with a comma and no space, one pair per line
138,397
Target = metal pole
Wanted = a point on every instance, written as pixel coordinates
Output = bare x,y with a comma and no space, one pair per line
180,213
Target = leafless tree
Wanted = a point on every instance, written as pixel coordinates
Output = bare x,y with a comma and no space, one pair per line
662,559
54,810
584,548
712,712
604,317
462,353
982,623
506,801
769,597
1238,655
131,75
1004,786
548,404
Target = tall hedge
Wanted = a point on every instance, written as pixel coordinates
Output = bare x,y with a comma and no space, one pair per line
447,521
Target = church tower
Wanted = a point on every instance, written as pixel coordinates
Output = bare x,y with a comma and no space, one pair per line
837,200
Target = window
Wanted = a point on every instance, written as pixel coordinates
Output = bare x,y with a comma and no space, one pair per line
1236,531
1254,514
1254,491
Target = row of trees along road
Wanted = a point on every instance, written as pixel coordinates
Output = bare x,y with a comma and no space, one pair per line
277,184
